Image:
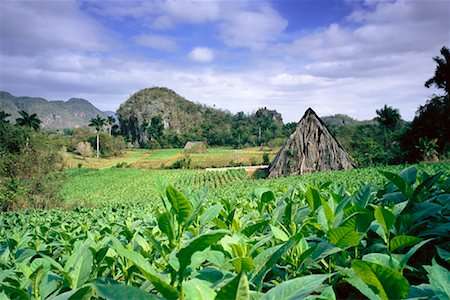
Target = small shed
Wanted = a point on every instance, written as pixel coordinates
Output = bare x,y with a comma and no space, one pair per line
195,147
310,148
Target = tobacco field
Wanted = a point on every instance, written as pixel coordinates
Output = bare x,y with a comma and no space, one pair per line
377,233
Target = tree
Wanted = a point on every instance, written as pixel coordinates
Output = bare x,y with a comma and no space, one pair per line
98,123
388,117
110,120
441,78
4,116
27,120
156,128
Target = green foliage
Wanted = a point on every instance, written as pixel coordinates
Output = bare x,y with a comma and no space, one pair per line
331,235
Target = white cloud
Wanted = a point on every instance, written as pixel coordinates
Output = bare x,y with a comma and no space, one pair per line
252,28
156,41
201,55
33,27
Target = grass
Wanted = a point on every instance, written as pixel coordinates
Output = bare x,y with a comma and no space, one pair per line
158,159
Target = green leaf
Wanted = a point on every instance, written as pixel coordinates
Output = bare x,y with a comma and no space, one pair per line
180,204
82,293
198,243
279,233
398,181
267,197
298,288
439,280
428,183
196,289
362,196
384,281
147,270
343,237
402,241
385,218
409,175
257,279
122,291
237,289
78,266
411,253
313,198
243,264
210,214
165,224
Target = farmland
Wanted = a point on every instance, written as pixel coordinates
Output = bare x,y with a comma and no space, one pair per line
155,159
378,233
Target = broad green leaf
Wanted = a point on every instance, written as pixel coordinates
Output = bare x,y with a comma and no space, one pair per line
411,252
362,196
402,241
79,265
382,259
409,175
360,285
275,257
198,243
279,233
148,270
427,183
248,231
180,204
243,264
384,281
398,181
82,293
439,280
444,254
317,253
122,291
210,214
298,288
385,218
343,237
267,197
165,224
237,289
313,198
196,289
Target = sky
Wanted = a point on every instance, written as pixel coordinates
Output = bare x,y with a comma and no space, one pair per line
335,56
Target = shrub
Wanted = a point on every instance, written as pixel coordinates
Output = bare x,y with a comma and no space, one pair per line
84,149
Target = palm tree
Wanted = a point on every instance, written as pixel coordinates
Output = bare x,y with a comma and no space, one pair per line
27,120
110,120
3,116
441,78
97,122
388,117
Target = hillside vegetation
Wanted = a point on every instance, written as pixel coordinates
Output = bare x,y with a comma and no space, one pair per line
53,114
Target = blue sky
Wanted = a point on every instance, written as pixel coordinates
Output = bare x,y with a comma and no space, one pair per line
346,56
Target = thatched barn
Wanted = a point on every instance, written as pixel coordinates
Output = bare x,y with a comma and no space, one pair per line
195,147
311,147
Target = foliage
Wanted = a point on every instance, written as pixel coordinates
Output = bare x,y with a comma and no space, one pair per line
306,240
428,148
441,78
388,117
27,120
84,149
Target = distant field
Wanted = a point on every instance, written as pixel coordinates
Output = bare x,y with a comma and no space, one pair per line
158,159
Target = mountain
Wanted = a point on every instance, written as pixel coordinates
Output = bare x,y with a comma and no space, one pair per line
179,116
53,114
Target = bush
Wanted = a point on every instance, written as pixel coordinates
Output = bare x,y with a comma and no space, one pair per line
266,158
84,149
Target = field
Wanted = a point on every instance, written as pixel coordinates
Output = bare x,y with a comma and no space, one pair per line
155,159
377,233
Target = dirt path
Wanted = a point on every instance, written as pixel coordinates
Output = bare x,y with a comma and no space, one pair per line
246,168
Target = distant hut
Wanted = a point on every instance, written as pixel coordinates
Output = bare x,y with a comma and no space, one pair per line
195,147
310,148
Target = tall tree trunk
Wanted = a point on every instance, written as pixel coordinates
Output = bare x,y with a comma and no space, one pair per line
98,144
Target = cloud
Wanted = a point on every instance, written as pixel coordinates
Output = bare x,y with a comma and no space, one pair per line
252,29
33,27
201,55
156,41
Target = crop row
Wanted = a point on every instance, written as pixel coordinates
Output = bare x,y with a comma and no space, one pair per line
321,240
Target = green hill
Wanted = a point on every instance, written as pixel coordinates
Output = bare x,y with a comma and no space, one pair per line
53,114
